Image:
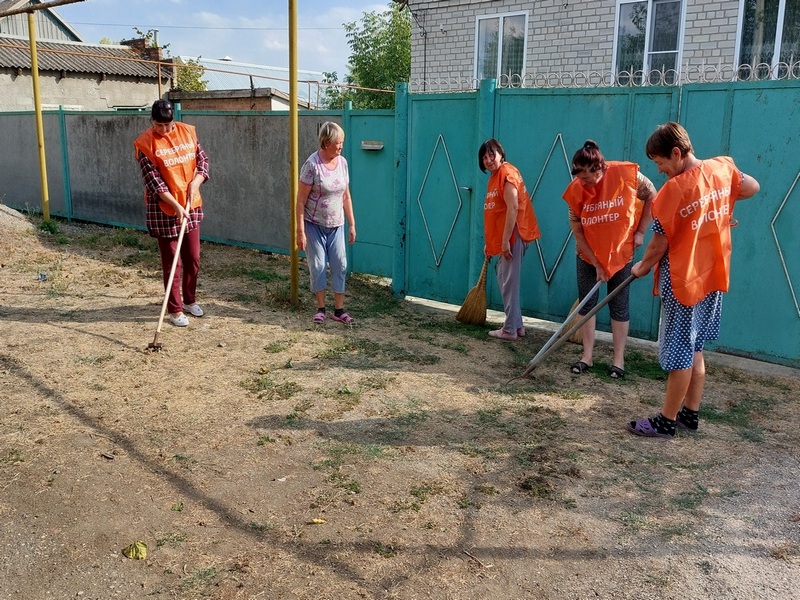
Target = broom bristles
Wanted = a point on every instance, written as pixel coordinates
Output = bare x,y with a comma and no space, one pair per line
473,309
577,337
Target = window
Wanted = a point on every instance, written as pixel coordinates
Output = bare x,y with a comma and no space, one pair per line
769,39
500,46
647,41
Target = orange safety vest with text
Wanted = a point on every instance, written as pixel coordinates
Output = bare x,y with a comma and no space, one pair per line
609,213
695,210
494,210
174,156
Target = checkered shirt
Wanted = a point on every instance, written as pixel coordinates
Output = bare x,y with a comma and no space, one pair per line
159,224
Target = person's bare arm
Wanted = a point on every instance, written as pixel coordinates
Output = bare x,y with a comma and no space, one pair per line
749,187
656,249
303,190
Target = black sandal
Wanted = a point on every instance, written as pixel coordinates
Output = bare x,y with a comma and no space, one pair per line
579,368
615,372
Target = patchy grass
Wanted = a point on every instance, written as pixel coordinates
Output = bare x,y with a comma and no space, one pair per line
266,387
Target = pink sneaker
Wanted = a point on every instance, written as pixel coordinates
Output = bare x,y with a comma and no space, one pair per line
503,334
521,332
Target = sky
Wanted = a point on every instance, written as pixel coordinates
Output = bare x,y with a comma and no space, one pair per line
250,31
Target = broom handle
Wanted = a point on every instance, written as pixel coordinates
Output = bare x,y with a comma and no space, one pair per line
563,339
570,316
482,278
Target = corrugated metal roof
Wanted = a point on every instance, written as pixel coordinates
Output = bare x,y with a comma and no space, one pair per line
223,74
74,57
49,24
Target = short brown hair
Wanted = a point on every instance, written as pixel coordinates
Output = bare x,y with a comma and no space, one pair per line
665,138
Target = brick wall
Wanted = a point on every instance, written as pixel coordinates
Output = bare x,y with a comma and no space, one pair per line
563,35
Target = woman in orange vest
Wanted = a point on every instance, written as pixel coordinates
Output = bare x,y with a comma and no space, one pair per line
509,225
173,166
609,210
691,249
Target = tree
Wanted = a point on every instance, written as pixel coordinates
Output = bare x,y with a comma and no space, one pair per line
380,47
189,77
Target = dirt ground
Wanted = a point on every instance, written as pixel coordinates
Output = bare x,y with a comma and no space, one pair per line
260,456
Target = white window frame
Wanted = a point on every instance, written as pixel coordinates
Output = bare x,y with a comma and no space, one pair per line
778,38
500,16
647,37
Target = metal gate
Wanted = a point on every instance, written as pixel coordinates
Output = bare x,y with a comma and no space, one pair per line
757,123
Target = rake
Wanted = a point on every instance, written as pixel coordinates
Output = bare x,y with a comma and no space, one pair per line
554,344
155,345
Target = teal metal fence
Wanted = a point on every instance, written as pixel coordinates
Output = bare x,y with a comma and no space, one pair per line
757,123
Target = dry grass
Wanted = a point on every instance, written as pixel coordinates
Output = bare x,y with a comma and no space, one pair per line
261,456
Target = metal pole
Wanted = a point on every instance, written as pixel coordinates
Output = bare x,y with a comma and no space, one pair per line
294,169
37,103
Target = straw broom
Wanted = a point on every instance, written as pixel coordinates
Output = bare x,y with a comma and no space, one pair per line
577,337
473,310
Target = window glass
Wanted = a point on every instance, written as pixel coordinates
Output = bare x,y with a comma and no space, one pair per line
500,46
666,26
758,38
630,41
663,56
488,41
655,54
790,42
513,45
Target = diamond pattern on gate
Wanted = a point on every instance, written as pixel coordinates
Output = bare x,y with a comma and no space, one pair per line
437,258
778,243
559,140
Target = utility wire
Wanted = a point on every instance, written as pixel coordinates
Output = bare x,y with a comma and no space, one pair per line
206,28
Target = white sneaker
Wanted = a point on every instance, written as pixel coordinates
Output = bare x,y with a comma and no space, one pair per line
195,310
179,321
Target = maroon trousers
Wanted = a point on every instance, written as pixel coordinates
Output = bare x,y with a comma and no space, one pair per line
185,280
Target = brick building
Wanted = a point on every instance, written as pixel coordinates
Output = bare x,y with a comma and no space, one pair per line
550,42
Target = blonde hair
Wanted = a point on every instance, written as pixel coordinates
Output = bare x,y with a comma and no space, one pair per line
330,132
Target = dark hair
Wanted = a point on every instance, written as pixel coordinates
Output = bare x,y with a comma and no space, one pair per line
589,156
665,138
162,111
493,146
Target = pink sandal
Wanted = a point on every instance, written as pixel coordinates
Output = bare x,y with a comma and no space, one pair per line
343,318
319,318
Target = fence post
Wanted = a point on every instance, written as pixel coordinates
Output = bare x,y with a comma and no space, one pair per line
400,188
62,124
485,130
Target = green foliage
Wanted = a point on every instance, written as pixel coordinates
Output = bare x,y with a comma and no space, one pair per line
380,56
190,77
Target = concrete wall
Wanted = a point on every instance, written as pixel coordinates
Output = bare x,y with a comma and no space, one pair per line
83,91
247,197
562,36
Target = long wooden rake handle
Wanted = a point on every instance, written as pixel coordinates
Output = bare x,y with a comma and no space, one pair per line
171,277
563,339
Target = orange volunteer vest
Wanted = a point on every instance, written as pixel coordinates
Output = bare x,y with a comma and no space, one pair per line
174,157
695,210
494,210
609,214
